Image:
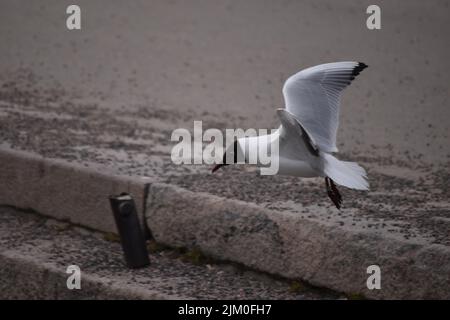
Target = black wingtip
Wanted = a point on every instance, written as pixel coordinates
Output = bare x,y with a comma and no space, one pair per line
359,67
363,65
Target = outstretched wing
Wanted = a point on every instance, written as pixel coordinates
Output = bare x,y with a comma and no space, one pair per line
312,96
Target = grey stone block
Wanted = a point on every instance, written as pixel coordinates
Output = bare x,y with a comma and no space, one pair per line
63,191
294,247
29,278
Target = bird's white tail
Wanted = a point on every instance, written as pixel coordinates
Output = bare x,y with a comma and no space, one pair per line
344,173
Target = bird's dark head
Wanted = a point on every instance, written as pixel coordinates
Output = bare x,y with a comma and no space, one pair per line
230,156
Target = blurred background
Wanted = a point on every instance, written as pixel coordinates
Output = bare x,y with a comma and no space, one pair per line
224,62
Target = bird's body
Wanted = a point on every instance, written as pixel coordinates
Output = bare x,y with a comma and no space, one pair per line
306,137
289,162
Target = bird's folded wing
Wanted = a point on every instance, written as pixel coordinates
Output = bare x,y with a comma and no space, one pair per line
312,96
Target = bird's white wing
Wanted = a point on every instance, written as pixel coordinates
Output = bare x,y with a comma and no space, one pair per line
312,96
295,143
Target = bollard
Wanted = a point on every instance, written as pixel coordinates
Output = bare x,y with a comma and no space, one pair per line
130,232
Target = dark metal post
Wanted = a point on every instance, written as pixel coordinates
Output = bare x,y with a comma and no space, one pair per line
131,235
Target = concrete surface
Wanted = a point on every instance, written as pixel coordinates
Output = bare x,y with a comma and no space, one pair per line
35,252
108,97
322,253
64,191
305,240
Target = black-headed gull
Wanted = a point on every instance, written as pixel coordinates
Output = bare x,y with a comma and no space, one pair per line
309,123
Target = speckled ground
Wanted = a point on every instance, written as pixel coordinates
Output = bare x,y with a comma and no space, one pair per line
50,242
408,197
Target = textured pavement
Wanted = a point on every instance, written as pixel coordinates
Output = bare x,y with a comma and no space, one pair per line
35,252
408,198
